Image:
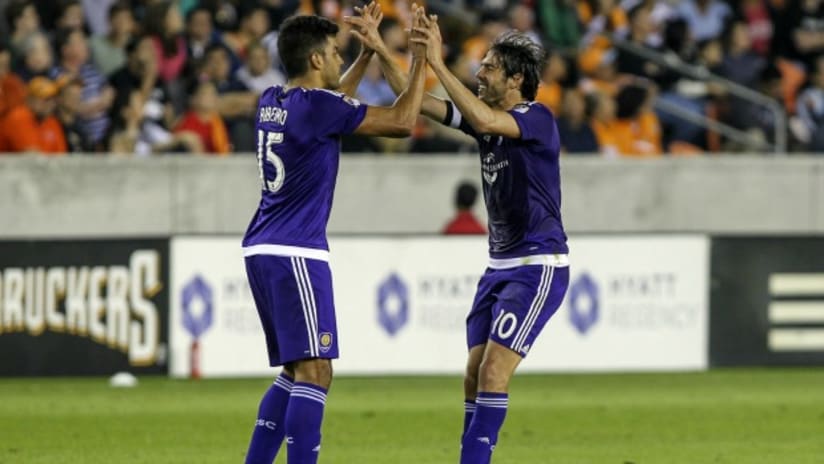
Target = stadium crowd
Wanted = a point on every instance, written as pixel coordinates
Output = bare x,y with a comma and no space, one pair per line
148,77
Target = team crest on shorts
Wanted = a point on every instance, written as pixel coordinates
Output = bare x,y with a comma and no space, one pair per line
325,341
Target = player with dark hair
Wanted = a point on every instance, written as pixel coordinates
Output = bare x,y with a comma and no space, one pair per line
299,126
528,272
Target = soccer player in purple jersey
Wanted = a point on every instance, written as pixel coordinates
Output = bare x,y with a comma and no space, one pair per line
528,271
299,126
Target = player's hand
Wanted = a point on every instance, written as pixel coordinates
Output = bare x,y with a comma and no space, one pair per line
416,43
365,26
429,34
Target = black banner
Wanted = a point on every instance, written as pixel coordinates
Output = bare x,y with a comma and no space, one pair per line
89,307
767,301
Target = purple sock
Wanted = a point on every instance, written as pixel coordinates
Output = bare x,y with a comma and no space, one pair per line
304,417
480,439
469,411
270,427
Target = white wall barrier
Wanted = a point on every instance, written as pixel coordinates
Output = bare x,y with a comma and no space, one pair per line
636,303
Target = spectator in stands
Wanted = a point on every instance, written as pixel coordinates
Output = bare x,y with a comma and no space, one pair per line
574,129
98,96
32,127
12,88
641,27
706,18
637,128
373,88
69,15
756,16
109,51
659,12
602,71
603,124
140,73
97,15
37,57
550,91
132,133
237,105
204,120
602,18
252,26
559,22
69,103
257,74
522,19
200,32
464,222
742,65
491,26
164,25
807,25
23,21
679,48
811,111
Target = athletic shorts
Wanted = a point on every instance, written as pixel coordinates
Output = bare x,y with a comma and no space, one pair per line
512,305
294,300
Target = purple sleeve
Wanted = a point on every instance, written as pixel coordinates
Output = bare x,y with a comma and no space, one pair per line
534,120
336,114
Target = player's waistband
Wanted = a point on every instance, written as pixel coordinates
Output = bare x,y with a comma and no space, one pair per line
286,250
534,260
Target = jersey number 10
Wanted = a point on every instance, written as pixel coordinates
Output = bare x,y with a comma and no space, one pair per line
266,154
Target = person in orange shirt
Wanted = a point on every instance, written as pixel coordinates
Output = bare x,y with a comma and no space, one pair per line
12,88
603,124
550,92
204,120
32,127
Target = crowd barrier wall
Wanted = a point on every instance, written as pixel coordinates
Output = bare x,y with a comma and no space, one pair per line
83,197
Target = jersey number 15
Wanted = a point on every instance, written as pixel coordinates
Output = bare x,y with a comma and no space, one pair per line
266,154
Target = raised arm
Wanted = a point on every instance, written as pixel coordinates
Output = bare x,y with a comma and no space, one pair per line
478,114
351,78
399,119
365,28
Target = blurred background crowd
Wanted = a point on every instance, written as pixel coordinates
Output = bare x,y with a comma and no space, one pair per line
623,77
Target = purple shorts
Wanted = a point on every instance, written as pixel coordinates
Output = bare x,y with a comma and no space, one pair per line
512,306
294,301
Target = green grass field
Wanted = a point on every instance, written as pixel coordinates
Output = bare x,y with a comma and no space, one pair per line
725,416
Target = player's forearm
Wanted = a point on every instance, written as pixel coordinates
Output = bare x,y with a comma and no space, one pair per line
477,113
351,78
431,106
408,104
393,74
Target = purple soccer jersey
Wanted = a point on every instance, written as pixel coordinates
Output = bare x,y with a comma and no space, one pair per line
285,245
528,274
522,184
298,140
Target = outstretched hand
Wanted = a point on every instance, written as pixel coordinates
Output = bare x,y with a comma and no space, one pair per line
427,33
365,26
418,47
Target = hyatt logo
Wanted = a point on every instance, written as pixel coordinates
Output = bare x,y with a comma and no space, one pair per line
796,312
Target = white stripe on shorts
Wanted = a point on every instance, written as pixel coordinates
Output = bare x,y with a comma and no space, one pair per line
304,303
535,309
313,307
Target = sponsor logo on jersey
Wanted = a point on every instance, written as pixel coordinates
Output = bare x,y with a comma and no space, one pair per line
490,167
